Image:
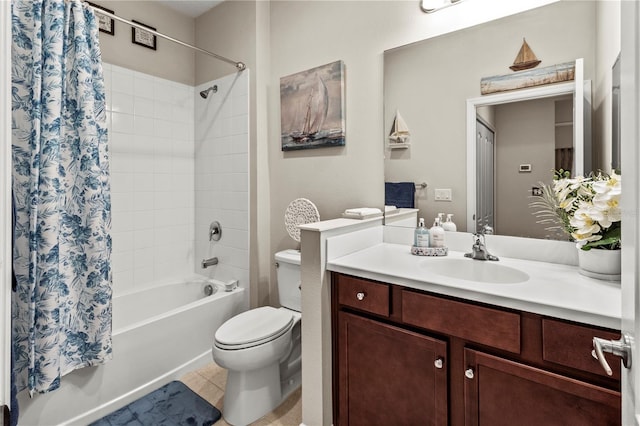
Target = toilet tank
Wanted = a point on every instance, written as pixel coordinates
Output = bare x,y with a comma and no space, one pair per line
288,277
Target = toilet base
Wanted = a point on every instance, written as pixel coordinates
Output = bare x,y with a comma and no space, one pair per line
249,395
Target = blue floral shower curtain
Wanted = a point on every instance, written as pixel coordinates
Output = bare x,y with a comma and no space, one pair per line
61,310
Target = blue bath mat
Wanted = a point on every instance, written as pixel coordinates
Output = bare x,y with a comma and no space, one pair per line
172,405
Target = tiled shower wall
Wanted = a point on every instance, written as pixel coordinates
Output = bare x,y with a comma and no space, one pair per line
151,144
171,176
222,177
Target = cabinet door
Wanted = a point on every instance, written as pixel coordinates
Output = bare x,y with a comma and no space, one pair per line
502,392
388,375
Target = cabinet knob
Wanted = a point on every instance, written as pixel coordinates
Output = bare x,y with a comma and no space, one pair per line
360,295
469,373
439,362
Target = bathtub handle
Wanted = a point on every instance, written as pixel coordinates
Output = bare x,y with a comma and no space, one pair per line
215,231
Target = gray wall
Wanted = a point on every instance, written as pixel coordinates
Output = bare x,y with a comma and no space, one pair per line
170,60
525,134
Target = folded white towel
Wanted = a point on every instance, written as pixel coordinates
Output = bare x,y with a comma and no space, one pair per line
362,211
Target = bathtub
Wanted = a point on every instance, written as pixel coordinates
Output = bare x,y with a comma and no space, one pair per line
159,334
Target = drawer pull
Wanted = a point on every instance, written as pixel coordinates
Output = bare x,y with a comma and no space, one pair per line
360,295
469,373
439,362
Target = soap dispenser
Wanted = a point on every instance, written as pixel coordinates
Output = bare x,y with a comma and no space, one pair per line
421,235
437,234
448,225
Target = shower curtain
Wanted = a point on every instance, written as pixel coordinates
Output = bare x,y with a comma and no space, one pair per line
61,310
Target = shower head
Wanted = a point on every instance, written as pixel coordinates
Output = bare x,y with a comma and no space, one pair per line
205,93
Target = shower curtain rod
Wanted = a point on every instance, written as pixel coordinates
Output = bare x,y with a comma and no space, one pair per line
239,65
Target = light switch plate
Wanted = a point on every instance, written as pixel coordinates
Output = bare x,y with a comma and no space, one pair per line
443,194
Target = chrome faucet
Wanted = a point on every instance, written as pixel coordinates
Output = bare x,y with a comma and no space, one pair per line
209,262
479,248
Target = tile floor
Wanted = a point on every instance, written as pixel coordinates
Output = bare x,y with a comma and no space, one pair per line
209,382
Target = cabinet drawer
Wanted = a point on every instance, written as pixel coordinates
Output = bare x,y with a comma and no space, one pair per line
486,326
364,295
570,345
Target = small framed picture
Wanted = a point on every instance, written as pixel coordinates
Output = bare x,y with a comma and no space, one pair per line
105,24
142,37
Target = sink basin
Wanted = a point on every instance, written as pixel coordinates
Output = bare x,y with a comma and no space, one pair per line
475,270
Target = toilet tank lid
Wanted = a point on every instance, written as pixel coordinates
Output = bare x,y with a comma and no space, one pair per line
289,256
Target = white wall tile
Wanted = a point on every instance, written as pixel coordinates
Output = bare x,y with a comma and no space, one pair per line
143,126
143,107
178,162
121,80
221,177
143,86
122,102
122,123
147,182
143,239
162,110
162,128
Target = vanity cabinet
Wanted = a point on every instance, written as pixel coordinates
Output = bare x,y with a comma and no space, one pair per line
390,376
503,392
408,357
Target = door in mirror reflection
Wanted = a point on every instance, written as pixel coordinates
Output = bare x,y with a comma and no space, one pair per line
485,157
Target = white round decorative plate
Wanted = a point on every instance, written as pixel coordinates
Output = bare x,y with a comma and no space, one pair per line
299,212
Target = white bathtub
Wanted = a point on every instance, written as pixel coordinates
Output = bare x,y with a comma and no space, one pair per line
159,334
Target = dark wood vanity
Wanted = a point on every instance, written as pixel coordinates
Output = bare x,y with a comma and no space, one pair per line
407,357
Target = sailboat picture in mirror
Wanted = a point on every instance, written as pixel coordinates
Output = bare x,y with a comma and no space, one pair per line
399,136
312,108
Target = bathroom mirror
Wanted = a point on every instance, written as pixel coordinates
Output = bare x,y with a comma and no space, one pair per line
430,81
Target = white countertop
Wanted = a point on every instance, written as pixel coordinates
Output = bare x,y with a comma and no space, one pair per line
552,289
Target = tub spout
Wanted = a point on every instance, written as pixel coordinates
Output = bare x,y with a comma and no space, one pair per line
209,262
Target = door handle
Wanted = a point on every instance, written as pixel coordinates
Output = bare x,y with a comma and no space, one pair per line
621,348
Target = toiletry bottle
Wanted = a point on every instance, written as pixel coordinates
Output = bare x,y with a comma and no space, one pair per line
421,235
448,225
437,234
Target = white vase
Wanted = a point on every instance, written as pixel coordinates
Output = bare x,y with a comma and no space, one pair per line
600,264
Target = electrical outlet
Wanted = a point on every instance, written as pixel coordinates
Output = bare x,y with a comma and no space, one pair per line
536,191
443,194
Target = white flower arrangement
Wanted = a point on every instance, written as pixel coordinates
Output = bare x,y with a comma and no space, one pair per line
585,208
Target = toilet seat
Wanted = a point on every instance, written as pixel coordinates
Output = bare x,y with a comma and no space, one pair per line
253,328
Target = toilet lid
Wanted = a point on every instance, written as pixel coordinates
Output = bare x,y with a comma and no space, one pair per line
253,327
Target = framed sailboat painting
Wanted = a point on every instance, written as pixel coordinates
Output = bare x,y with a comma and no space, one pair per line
312,112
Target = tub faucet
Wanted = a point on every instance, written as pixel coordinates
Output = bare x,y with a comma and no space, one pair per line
479,248
209,262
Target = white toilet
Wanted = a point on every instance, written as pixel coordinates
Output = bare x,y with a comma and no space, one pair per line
261,349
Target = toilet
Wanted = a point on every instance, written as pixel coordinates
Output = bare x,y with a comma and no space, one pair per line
261,349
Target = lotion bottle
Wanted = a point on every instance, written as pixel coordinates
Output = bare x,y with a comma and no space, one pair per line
437,234
448,225
421,235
